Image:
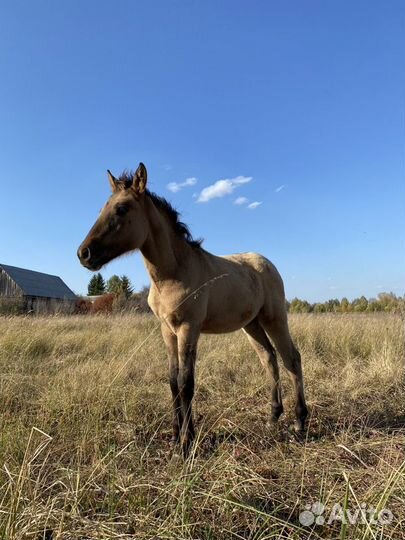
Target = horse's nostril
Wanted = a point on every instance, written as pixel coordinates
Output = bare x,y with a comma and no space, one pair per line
84,254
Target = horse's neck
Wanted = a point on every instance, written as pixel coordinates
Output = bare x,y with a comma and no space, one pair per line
163,249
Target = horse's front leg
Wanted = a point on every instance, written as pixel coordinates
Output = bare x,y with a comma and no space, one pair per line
187,336
170,340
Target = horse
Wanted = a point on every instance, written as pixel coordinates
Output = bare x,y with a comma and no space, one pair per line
193,291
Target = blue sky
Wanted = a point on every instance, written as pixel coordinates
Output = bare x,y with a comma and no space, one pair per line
301,102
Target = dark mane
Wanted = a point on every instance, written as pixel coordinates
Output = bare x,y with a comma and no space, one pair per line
180,228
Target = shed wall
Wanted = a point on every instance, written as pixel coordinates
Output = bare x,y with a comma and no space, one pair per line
7,286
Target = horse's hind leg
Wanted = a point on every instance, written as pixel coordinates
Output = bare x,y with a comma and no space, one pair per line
265,351
277,329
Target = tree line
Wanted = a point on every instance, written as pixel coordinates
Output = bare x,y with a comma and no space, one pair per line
384,302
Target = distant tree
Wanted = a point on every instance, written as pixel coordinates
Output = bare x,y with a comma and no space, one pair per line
360,304
295,305
345,305
332,305
388,301
319,308
114,285
306,307
300,306
120,286
126,287
374,305
96,285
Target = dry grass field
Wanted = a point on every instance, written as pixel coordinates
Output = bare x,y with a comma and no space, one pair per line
85,420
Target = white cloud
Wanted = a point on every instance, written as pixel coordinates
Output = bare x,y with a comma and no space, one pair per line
177,186
279,188
222,187
254,205
240,200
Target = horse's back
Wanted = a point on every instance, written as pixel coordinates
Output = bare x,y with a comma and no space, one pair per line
255,260
260,265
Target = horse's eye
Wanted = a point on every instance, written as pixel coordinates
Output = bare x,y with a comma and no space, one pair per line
122,210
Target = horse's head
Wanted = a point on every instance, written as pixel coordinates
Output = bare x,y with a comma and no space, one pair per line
121,225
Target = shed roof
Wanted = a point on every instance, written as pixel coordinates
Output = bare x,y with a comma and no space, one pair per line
38,284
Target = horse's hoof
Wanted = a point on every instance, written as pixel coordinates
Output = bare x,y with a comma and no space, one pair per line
299,426
299,431
185,451
186,446
276,412
174,441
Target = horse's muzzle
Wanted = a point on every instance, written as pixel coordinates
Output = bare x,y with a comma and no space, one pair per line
84,254
87,259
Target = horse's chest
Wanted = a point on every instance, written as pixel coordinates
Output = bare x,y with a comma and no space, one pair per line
154,303
172,305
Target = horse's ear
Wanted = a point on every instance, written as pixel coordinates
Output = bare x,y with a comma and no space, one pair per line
140,179
113,181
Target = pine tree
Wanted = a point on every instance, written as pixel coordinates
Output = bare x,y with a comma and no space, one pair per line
126,287
96,285
114,285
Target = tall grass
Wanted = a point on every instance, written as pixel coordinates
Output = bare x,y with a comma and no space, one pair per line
85,419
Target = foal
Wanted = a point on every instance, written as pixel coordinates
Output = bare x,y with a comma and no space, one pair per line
193,291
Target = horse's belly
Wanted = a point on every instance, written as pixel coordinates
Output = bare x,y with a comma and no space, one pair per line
233,304
228,322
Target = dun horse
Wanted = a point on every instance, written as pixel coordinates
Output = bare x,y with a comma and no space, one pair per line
193,292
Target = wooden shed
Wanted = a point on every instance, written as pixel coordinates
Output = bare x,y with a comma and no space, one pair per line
36,292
